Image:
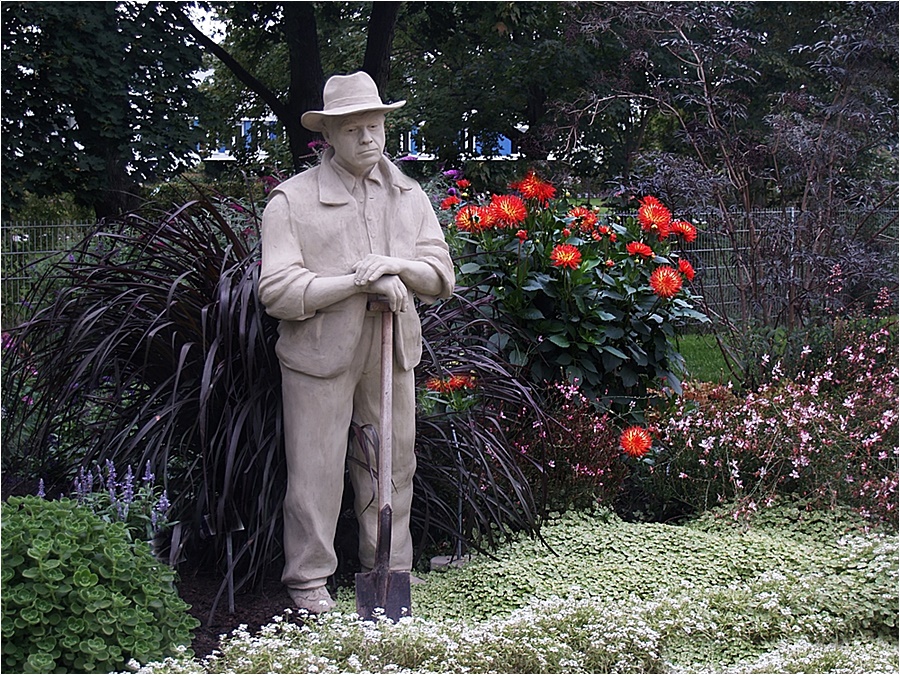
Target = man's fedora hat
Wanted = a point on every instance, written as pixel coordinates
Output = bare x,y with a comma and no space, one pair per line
345,95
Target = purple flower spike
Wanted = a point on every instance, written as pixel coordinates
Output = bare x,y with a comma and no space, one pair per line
41,492
111,480
128,492
148,476
162,506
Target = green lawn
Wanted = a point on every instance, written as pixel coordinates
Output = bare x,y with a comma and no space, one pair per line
703,359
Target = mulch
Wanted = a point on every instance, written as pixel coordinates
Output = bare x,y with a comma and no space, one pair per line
254,608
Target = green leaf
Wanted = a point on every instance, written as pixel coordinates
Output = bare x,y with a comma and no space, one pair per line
559,340
84,578
470,268
615,352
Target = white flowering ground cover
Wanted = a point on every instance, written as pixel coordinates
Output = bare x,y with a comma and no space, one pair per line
804,594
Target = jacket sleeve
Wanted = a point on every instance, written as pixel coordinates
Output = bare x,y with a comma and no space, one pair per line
283,278
431,248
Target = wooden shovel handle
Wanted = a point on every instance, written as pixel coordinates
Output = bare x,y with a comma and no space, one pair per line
385,447
385,437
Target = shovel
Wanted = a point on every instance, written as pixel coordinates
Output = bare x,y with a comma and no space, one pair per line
381,588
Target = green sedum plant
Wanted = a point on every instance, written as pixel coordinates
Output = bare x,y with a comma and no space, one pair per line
78,595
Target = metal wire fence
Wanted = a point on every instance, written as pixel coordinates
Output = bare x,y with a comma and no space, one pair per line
748,264
26,249
763,265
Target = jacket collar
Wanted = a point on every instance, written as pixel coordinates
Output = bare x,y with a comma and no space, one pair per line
332,189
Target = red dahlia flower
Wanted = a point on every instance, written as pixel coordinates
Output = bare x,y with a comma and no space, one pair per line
654,217
507,210
665,281
566,255
473,218
450,202
452,383
435,384
584,218
456,382
686,269
639,248
683,229
532,187
636,441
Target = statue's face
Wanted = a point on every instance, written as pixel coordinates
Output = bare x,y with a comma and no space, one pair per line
358,141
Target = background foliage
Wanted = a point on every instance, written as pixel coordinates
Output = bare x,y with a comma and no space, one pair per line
98,98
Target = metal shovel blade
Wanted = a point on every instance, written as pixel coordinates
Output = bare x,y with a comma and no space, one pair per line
382,592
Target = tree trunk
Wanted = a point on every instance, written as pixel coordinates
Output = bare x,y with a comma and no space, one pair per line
307,78
120,193
377,61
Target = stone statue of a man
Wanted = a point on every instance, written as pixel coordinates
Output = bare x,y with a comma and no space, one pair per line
334,236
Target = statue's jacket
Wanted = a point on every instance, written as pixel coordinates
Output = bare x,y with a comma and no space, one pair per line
313,226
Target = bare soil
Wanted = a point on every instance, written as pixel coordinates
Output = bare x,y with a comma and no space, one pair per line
253,608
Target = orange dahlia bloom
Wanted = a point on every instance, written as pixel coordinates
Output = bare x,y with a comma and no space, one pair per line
456,382
566,255
507,210
450,202
665,281
636,441
450,384
435,384
654,217
683,229
686,269
639,248
473,218
462,183
532,187
584,218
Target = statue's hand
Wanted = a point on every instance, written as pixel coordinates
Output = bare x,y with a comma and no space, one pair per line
393,289
373,267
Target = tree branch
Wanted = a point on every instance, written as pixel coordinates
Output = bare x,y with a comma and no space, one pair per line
242,74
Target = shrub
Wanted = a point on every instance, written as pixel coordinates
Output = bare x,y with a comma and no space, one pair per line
574,453
79,595
581,295
828,435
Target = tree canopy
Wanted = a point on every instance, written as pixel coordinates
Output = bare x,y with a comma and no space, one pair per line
728,104
98,98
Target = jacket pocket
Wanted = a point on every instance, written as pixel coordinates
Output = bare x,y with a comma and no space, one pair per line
324,344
